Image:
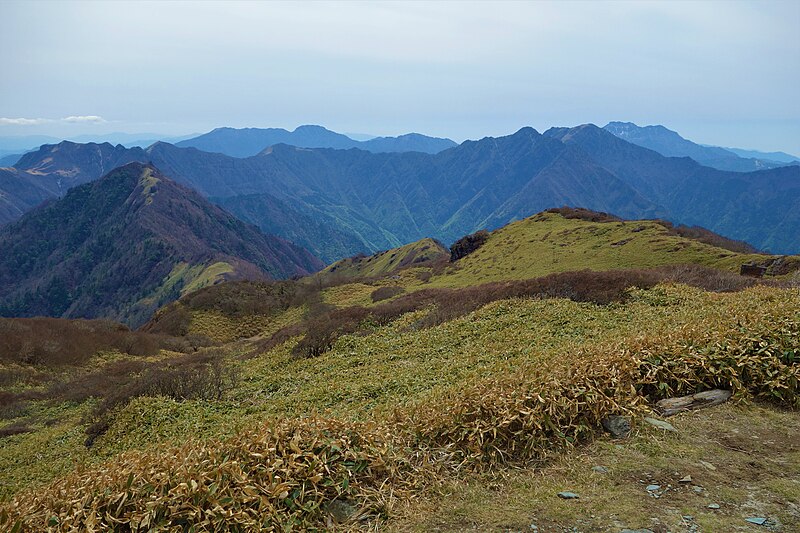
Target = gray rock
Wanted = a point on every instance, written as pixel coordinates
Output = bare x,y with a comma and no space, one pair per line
757,520
618,426
653,488
708,465
701,400
666,426
566,495
600,469
341,510
713,506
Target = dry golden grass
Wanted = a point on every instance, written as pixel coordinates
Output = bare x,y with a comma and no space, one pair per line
285,474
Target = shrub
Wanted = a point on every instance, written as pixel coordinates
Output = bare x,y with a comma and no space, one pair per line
323,330
424,276
384,293
56,341
701,234
467,244
581,213
182,378
15,429
696,233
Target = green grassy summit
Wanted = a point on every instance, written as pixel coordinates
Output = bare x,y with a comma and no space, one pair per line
548,243
389,261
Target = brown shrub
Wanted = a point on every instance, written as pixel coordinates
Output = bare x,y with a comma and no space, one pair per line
11,405
384,293
182,378
467,244
290,470
321,331
706,236
581,213
57,341
424,276
173,319
15,429
696,233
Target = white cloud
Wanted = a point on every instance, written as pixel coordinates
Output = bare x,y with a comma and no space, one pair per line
23,121
84,119
73,119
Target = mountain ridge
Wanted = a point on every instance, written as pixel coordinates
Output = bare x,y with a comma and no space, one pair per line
373,201
669,143
121,246
246,142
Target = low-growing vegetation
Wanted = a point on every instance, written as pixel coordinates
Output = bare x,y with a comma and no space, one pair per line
384,293
322,329
425,252
517,403
55,341
696,233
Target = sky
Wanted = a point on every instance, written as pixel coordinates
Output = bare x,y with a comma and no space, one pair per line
723,73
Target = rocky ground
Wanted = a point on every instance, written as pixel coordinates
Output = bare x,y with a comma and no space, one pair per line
728,468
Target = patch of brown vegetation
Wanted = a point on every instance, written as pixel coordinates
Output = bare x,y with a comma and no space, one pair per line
53,342
581,213
602,288
384,293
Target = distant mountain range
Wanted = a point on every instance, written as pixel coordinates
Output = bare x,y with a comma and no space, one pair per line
123,245
340,202
13,148
248,142
781,157
671,144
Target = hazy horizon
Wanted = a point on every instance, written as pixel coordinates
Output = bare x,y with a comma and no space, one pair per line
720,73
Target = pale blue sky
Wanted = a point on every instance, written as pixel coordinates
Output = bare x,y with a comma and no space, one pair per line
723,73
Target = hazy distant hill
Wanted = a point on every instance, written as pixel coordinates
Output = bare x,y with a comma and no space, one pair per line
124,245
9,160
250,141
21,192
781,157
68,164
669,143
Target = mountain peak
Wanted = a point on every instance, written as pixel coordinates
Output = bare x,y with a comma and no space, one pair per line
527,130
135,174
123,245
306,128
671,144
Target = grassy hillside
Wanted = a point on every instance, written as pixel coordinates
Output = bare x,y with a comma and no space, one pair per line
548,243
389,261
298,404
